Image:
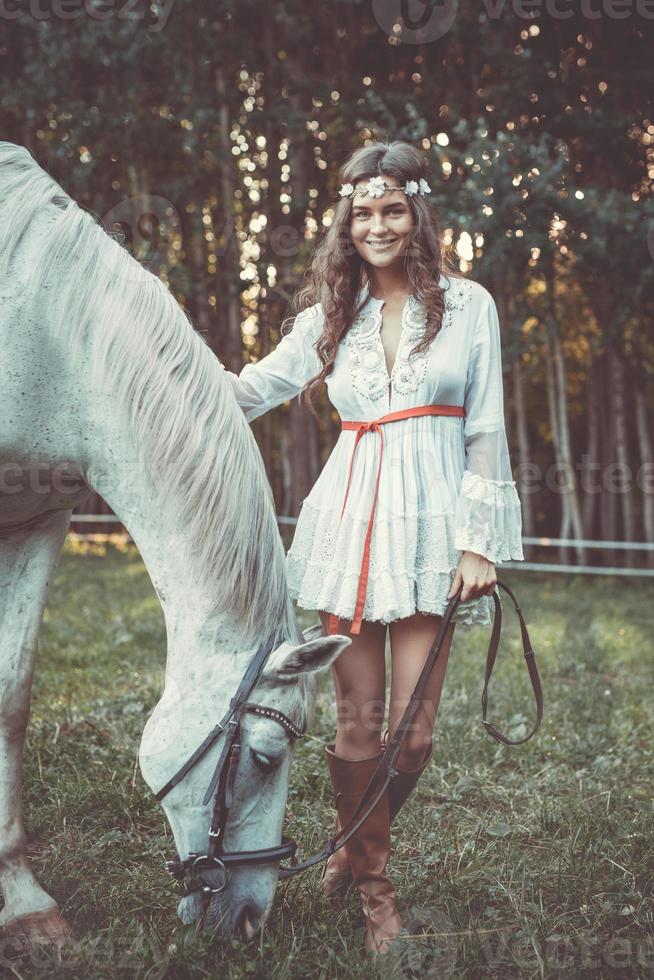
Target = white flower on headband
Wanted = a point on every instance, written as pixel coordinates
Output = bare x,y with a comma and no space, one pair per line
376,186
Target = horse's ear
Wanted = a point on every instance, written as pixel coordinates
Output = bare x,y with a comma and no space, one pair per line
316,654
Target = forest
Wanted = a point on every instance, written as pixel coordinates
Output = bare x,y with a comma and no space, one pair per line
209,135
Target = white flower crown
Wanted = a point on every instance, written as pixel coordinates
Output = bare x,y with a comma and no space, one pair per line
376,186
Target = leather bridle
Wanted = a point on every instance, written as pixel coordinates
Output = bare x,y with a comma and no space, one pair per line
192,871
189,871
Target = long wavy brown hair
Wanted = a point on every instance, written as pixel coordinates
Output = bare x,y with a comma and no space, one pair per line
337,271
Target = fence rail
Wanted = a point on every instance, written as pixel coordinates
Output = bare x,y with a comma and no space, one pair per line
527,566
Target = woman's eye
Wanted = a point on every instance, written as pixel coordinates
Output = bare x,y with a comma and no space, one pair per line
264,762
364,215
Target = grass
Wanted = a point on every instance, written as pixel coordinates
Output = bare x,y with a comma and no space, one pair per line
529,861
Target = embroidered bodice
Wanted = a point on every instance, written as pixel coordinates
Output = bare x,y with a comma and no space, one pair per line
368,367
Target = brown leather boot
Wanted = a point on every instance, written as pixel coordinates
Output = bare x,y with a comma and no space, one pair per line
368,850
404,782
336,876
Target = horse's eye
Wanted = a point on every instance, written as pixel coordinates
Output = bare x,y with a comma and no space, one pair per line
264,762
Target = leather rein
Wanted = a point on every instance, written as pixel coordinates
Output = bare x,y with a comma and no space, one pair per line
190,871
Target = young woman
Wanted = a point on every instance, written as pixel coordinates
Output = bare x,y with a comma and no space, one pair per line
416,498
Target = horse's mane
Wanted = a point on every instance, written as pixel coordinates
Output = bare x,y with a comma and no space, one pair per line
185,421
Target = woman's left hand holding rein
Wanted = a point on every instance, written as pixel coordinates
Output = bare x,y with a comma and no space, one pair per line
476,574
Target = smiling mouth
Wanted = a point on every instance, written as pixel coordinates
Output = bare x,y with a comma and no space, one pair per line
381,245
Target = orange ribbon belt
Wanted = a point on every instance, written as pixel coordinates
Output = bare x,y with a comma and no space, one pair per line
375,426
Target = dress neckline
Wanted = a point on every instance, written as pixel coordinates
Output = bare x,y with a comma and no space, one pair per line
373,307
364,293
376,307
379,303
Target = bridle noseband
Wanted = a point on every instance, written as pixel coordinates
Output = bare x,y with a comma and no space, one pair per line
191,872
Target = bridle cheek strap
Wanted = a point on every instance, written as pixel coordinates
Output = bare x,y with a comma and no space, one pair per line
224,798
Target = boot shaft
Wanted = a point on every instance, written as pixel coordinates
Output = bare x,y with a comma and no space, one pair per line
403,784
368,850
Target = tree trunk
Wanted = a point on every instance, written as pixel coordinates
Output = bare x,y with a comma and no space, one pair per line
625,479
266,305
300,419
197,254
570,495
287,498
565,484
608,502
591,469
550,385
502,293
646,468
229,346
524,456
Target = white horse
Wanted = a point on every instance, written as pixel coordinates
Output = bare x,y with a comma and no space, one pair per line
106,386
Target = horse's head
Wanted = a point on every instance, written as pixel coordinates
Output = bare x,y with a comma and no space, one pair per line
260,785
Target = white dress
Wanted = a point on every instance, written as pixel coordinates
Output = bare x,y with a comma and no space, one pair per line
445,484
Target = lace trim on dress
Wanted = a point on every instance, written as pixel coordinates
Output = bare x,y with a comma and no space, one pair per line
412,566
409,372
489,518
457,298
367,365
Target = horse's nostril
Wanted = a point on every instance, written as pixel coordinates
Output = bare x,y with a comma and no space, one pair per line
248,922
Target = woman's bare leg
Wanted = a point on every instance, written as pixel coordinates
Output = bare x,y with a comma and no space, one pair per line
411,641
359,675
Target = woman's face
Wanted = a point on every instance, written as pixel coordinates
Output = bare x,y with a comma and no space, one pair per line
381,226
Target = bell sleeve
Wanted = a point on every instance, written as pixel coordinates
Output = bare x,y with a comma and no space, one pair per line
283,373
488,514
